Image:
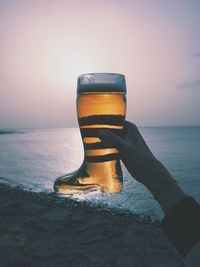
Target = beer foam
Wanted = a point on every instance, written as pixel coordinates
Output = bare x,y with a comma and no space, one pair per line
101,87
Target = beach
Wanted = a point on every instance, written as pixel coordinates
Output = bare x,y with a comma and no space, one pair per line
38,230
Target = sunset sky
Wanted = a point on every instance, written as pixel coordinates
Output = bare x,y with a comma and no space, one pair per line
45,45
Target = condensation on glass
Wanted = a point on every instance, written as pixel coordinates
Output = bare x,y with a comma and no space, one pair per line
101,104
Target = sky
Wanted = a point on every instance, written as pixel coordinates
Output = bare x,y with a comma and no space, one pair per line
46,44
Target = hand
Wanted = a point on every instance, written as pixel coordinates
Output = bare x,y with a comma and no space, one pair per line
137,157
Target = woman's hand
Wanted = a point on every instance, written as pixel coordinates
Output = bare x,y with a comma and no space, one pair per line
143,165
137,157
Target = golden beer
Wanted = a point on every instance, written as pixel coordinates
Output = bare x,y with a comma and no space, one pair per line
101,104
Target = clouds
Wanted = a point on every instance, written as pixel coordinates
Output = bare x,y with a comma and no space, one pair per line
192,85
195,84
196,54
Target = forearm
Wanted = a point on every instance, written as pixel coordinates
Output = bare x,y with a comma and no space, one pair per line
162,186
170,196
181,223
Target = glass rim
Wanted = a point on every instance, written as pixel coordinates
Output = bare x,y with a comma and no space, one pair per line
101,73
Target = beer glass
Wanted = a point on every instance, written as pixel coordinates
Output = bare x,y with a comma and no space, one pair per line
101,104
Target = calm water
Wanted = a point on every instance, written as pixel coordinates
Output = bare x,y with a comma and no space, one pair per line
35,158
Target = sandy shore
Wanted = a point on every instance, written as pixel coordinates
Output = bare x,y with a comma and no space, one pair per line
36,230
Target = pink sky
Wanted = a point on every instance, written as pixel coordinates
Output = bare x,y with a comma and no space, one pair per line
45,45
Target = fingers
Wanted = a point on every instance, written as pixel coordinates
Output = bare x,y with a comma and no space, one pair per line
130,156
131,137
133,150
126,152
110,138
113,140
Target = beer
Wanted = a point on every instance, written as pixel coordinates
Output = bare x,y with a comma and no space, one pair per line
101,104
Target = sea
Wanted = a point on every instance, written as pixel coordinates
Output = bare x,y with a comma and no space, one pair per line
31,159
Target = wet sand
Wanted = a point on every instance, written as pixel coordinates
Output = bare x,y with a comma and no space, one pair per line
38,230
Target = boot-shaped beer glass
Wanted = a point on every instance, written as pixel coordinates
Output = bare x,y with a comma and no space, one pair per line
101,104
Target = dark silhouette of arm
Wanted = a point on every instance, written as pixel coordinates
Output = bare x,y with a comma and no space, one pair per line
181,223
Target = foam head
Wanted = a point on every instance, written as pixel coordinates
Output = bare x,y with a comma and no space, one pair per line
101,82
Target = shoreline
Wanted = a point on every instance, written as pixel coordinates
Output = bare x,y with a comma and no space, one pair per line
55,199
38,230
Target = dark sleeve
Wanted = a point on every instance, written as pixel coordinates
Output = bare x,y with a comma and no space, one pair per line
182,225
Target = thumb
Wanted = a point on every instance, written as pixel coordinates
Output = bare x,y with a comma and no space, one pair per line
112,139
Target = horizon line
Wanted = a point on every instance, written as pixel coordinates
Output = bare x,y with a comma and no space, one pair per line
71,127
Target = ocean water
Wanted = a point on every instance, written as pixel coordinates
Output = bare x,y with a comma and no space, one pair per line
34,158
